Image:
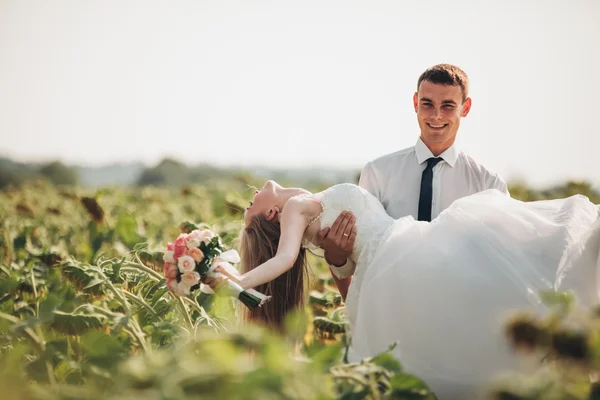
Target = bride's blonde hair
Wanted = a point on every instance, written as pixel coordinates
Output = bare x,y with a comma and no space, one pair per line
258,243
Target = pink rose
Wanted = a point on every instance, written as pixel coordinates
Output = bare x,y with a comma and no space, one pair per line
170,270
186,264
180,246
182,236
190,278
172,284
178,252
170,246
196,254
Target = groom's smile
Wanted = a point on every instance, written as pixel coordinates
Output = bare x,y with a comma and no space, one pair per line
437,126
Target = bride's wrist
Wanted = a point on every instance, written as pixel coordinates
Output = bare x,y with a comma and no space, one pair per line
240,281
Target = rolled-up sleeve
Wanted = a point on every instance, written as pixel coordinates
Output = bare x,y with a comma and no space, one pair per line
345,271
496,182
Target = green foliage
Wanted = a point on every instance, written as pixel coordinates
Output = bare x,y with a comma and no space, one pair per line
59,174
85,314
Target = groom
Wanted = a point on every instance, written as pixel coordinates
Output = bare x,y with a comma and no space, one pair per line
426,178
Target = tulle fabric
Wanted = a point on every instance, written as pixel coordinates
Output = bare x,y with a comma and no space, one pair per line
442,290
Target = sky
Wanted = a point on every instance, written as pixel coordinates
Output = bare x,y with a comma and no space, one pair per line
297,83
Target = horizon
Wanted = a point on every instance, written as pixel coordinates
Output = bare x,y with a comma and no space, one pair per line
514,180
288,85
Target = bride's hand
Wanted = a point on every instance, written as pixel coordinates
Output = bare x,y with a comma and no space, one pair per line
214,282
225,275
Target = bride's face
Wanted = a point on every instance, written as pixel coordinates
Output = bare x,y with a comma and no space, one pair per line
264,200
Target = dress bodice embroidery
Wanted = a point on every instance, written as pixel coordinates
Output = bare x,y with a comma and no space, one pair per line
371,218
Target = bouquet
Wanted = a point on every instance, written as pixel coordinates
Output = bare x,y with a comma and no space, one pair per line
194,257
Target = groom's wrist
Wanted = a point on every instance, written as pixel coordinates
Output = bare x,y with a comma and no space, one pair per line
337,263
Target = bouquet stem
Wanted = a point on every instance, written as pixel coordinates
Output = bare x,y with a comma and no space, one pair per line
250,298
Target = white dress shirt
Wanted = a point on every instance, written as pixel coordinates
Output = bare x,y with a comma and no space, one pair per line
395,179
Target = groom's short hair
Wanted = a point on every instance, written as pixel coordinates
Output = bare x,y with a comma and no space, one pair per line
446,74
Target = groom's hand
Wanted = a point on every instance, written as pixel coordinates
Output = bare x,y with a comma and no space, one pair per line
338,241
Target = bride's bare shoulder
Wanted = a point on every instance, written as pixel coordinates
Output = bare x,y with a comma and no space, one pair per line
306,204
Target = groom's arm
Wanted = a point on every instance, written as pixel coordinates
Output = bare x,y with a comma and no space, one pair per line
342,284
335,254
338,243
494,181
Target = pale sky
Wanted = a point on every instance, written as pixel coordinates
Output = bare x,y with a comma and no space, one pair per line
297,83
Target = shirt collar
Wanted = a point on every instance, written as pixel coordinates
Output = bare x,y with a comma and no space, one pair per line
423,153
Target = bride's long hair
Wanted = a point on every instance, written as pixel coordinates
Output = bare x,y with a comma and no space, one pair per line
258,243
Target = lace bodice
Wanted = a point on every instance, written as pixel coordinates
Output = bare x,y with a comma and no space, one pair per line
371,218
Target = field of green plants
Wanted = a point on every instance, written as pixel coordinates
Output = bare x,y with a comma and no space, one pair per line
85,313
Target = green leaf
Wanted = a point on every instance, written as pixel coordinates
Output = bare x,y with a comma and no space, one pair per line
102,349
81,276
67,372
58,346
37,370
151,259
9,284
157,295
387,361
408,386
324,324
187,227
76,324
126,229
116,270
48,306
327,355
563,300
93,282
20,241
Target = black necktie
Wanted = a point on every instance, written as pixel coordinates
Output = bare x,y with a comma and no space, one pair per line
426,190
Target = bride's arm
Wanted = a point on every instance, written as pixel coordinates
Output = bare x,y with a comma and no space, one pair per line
293,224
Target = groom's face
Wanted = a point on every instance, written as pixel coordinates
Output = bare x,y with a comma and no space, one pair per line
439,109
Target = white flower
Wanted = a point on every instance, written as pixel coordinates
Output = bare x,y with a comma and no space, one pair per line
204,235
168,257
231,256
192,244
186,264
182,289
190,278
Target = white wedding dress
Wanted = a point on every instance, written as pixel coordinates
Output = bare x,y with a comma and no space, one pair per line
443,290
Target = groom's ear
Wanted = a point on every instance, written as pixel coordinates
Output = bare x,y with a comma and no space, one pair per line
416,101
466,107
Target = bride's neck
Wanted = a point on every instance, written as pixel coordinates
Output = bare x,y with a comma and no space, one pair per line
287,193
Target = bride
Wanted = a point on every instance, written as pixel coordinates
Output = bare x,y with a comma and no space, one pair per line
440,289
